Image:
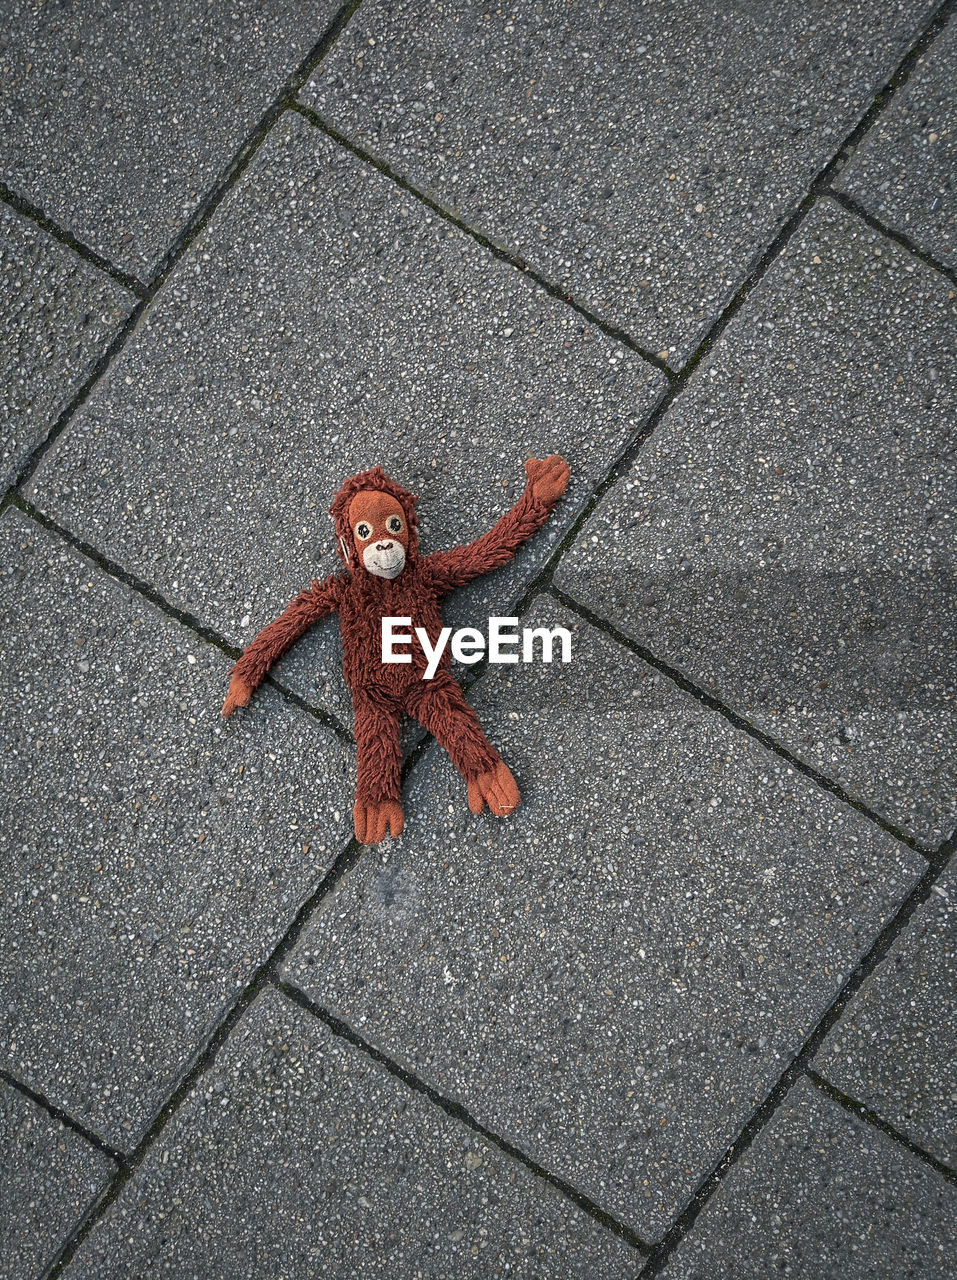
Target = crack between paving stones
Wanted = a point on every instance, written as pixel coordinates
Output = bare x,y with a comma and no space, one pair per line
626,458
495,247
800,1063
711,701
458,1112
821,186
27,209
888,92
890,233
205,1056
64,1117
234,170
79,397
187,620
872,1118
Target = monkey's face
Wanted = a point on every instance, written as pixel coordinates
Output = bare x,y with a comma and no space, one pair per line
379,532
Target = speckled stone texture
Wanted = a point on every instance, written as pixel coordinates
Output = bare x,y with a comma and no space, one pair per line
818,1194
298,1156
152,856
614,977
327,322
49,1179
786,537
895,1049
642,155
58,315
118,119
905,170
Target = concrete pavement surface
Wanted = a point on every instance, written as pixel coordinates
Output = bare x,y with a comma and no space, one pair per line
688,1012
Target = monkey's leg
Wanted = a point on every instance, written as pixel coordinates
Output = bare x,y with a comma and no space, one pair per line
378,788
439,706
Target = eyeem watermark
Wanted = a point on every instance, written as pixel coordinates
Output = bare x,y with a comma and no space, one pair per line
469,645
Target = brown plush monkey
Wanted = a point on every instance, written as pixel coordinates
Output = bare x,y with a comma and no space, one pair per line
385,577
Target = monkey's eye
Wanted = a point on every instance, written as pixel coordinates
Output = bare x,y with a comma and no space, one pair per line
394,524
363,531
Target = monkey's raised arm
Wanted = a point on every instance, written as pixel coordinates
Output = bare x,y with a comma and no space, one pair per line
547,481
315,602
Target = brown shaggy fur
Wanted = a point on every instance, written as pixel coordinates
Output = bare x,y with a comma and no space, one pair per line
381,691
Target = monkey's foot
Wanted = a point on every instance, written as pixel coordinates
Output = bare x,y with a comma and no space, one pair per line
497,789
373,818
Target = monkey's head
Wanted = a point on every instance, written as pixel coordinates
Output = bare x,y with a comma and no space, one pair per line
375,524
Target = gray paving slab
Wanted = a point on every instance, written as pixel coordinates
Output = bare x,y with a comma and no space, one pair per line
51,1176
118,119
297,1155
614,977
819,1194
58,314
895,1049
324,323
641,155
903,171
152,856
785,538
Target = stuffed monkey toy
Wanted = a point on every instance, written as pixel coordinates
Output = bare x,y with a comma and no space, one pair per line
386,577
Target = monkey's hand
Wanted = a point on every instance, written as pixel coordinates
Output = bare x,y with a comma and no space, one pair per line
238,696
372,819
548,478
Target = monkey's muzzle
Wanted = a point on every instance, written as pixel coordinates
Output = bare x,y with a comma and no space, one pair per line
385,558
